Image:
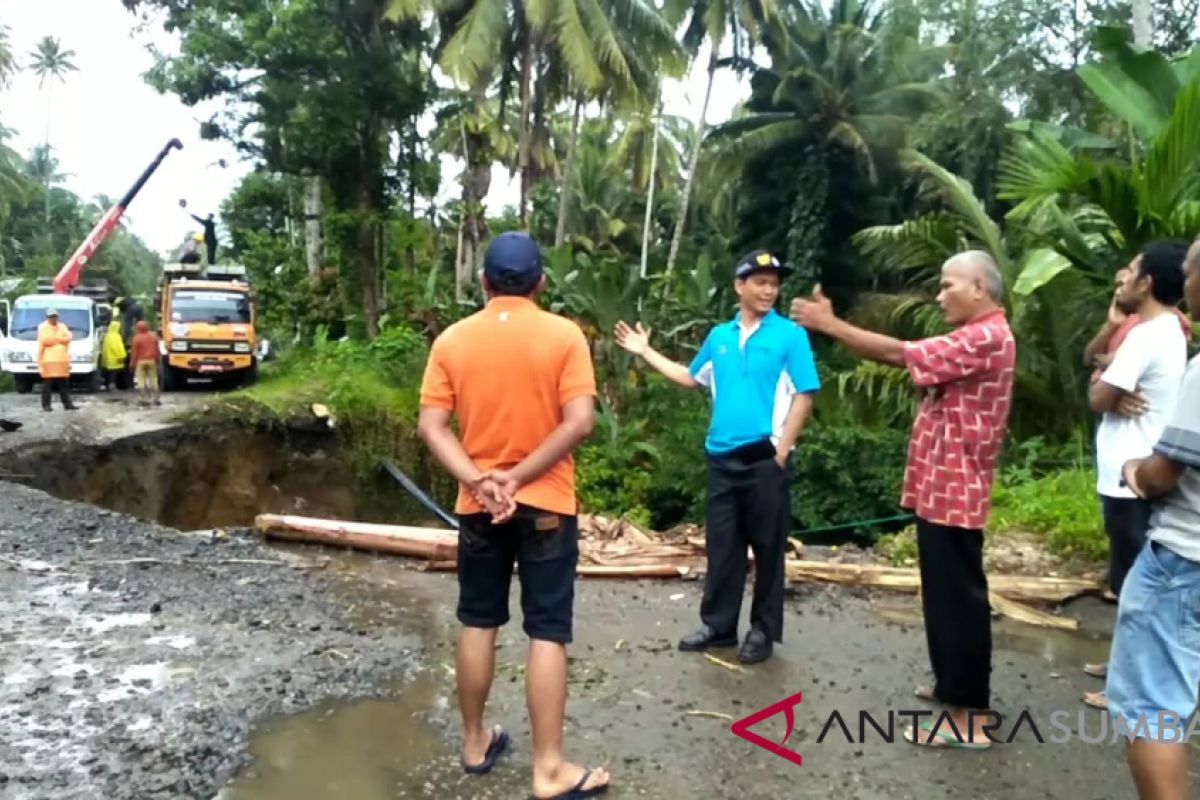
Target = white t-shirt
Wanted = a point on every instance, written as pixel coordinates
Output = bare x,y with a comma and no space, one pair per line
1151,360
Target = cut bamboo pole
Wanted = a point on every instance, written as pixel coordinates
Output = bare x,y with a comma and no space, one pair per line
416,542
1030,616
1012,587
646,560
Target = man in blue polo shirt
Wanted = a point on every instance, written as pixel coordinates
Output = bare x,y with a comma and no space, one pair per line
759,369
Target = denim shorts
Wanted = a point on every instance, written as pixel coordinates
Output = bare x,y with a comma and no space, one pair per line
1154,669
545,548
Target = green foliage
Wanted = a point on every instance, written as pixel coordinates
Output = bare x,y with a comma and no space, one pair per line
847,475
1061,506
899,548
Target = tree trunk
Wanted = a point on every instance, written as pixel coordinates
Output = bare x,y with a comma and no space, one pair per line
527,57
564,188
370,277
410,250
312,224
692,162
650,184
1143,22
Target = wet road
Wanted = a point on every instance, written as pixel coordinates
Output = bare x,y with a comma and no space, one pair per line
634,701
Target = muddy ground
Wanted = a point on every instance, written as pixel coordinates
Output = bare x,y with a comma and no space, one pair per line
140,661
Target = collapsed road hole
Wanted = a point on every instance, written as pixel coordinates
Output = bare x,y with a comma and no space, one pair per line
194,478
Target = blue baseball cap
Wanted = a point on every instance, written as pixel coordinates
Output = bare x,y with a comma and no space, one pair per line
760,261
513,262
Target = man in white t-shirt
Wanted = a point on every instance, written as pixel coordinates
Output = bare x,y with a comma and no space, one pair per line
1136,396
1155,667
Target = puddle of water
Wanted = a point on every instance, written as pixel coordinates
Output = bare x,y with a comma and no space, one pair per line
144,678
112,621
1069,649
174,642
366,750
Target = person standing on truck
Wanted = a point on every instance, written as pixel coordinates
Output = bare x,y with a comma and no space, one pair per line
54,360
210,236
143,359
112,356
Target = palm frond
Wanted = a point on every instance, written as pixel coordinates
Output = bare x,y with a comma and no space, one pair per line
473,50
961,200
576,40
1173,159
729,154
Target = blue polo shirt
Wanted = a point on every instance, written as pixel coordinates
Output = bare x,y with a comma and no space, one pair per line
753,379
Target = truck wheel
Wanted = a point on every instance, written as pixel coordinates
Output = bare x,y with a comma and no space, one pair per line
170,382
251,374
93,381
24,383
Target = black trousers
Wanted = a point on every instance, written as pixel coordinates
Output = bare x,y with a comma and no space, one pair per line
60,385
958,621
1127,521
749,504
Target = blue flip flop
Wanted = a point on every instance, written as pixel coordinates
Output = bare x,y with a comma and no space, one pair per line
577,792
497,746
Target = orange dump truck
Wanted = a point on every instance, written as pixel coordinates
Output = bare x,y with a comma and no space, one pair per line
206,316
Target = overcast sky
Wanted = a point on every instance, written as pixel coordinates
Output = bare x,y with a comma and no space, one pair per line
106,124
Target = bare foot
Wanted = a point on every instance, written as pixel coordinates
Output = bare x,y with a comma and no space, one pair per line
568,777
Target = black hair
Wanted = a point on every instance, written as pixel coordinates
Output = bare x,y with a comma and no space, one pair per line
1162,262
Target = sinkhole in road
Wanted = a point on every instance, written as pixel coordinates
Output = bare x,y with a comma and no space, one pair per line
215,476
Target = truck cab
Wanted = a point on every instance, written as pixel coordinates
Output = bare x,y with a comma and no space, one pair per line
207,325
81,315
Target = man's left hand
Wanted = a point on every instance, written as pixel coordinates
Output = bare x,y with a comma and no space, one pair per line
816,314
1132,404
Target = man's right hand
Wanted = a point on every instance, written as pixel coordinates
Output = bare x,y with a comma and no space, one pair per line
1115,315
494,498
635,340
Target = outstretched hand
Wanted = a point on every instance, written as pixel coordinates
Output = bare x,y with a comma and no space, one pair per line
636,340
814,313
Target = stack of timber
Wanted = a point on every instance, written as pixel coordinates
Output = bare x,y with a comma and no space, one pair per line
618,548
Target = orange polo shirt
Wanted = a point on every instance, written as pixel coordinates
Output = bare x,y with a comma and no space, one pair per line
506,372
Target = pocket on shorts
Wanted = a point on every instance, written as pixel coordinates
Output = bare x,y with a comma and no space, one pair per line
545,536
1189,619
473,533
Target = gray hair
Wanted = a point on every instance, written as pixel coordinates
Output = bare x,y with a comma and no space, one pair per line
989,273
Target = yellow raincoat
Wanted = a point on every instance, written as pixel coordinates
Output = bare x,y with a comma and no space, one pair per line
54,359
112,353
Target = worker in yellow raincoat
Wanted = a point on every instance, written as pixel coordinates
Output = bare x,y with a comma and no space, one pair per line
112,357
54,360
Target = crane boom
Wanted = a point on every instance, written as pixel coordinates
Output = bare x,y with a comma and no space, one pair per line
68,277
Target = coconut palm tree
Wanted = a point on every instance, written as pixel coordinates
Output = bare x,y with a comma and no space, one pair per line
714,22
592,46
49,62
8,62
479,134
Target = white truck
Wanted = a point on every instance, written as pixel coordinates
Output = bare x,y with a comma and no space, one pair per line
81,314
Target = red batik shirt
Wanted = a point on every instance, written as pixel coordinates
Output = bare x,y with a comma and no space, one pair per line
967,378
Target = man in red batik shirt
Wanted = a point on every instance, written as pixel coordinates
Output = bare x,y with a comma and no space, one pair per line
966,377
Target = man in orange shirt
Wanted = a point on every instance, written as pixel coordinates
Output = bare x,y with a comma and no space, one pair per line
143,360
520,381
54,360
